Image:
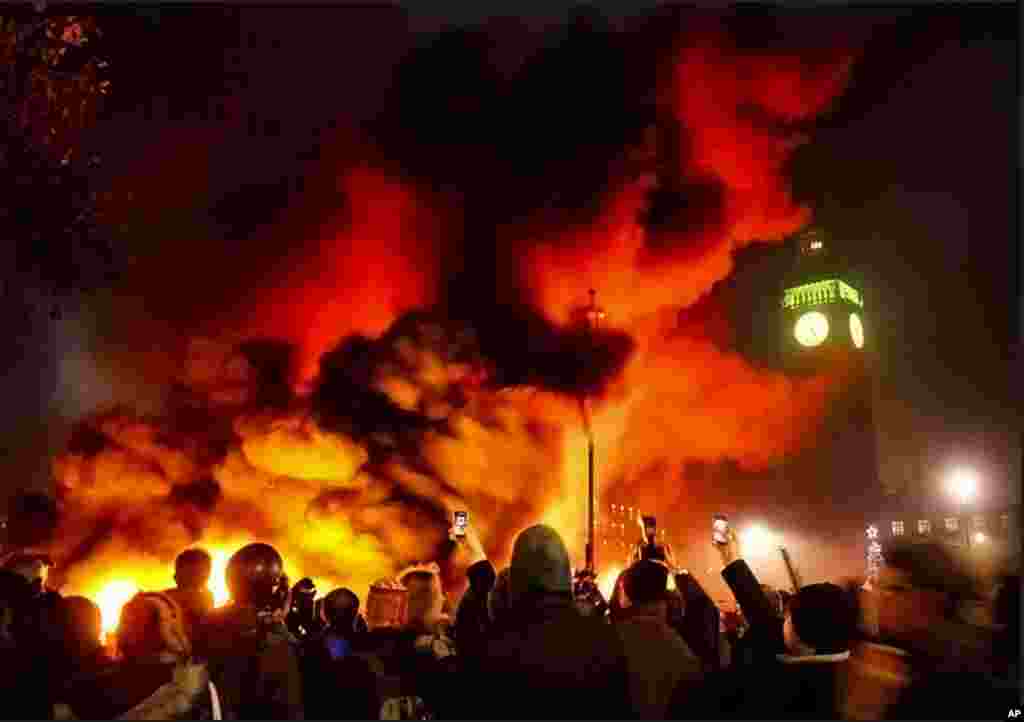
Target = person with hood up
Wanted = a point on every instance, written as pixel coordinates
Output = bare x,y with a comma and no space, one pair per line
658,658
153,678
548,660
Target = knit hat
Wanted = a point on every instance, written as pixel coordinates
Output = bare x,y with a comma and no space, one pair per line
824,618
540,563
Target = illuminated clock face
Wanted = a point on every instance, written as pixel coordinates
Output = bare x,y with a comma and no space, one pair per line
811,329
856,330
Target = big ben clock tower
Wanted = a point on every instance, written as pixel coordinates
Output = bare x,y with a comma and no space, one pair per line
822,309
823,330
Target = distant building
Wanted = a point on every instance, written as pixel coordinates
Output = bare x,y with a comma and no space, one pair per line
619,530
992,527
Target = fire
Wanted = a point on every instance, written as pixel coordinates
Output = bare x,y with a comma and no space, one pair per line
218,584
241,454
606,582
110,599
112,594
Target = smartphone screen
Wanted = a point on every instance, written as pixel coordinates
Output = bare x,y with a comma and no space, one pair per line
461,519
719,529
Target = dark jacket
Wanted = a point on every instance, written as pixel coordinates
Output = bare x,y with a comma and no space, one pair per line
337,683
195,604
699,626
410,667
952,677
551,662
153,689
473,620
775,685
254,663
658,660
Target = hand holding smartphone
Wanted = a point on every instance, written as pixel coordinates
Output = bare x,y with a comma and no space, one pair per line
719,529
461,519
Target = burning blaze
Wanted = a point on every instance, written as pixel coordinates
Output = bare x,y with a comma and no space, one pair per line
606,582
111,596
218,584
353,473
110,599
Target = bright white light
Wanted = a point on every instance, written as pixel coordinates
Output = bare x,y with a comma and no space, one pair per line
757,540
979,538
963,484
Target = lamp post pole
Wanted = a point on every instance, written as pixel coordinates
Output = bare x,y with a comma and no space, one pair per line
594,317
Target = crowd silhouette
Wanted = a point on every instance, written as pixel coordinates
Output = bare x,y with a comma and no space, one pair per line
528,641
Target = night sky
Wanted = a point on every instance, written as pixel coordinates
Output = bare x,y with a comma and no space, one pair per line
247,111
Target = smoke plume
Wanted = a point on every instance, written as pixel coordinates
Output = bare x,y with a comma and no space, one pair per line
431,354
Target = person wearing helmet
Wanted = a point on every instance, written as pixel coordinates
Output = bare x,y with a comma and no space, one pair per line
253,659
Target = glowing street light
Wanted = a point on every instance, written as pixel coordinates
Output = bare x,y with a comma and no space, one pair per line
979,538
963,484
758,540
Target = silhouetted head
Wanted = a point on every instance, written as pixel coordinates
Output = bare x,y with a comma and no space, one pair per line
341,609
540,563
646,582
192,569
81,625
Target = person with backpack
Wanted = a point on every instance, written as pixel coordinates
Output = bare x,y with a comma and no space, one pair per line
412,655
252,658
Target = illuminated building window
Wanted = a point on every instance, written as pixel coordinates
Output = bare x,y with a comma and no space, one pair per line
952,523
924,526
897,528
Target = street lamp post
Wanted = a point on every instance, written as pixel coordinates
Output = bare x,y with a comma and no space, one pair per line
595,314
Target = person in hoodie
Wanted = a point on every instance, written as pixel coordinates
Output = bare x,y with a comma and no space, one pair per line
152,679
800,669
658,658
548,660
